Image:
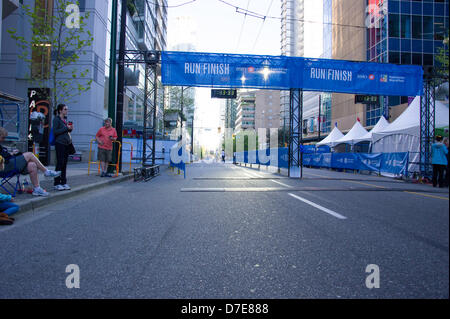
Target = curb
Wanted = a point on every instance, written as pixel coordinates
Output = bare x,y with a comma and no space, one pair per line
32,204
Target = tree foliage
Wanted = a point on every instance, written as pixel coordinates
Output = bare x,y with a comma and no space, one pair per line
442,59
178,97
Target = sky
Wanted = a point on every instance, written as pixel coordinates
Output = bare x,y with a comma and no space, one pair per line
218,28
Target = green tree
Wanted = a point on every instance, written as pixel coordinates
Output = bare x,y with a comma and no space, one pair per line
182,96
59,38
442,60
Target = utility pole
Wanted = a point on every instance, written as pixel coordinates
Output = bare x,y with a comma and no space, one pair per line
182,105
112,65
121,78
320,115
192,133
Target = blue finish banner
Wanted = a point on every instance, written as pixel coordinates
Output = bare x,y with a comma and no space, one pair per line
283,73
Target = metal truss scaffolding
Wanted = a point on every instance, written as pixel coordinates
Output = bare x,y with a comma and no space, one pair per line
427,126
151,60
295,133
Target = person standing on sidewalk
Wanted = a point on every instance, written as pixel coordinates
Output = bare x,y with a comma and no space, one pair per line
439,161
63,140
105,137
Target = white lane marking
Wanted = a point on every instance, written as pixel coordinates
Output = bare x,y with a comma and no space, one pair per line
249,174
280,183
254,173
326,210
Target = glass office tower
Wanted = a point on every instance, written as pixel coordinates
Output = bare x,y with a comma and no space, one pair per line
404,32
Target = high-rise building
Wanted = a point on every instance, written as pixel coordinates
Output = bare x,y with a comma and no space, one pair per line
404,32
325,118
301,27
348,43
230,113
267,109
245,112
384,31
292,44
292,27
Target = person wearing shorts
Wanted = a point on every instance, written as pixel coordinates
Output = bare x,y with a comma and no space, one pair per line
105,137
26,163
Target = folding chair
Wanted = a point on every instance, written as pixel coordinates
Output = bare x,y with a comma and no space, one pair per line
6,180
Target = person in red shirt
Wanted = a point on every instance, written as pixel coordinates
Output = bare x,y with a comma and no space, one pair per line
105,137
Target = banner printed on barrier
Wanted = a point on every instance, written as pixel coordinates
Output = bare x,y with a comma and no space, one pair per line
284,73
177,158
392,163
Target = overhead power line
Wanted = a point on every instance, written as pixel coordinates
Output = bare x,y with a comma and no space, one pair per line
262,25
242,27
257,15
173,6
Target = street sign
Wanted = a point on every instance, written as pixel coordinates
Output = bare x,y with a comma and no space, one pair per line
223,94
367,99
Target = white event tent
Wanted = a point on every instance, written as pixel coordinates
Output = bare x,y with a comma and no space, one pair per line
403,135
334,135
380,126
357,131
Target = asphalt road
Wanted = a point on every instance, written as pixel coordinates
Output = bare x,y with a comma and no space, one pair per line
232,232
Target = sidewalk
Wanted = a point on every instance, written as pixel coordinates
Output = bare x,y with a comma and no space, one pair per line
77,178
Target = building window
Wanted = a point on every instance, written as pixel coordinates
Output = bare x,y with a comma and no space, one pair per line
41,61
82,5
41,53
394,57
406,26
373,114
405,58
417,27
428,28
439,30
394,25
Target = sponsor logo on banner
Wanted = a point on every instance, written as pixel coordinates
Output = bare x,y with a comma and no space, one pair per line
384,78
396,78
371,77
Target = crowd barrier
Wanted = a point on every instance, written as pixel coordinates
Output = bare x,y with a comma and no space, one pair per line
382,163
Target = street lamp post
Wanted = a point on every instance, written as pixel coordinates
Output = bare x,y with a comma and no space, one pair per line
121,79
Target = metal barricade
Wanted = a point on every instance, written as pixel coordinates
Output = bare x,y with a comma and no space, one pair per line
116,165
131,154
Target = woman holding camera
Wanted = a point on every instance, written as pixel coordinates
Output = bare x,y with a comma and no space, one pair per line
63,145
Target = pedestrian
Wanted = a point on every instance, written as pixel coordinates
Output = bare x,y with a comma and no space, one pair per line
25,163
439,161
447,171
63,145
223,156
7,208
105,137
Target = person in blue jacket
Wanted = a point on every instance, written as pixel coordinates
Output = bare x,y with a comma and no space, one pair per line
7,208
439,161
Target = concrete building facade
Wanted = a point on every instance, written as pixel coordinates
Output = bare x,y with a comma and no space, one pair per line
267,110
146,29
245,111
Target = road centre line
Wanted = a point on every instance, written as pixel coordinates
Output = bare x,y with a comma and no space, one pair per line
326,210
366,184
426,195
